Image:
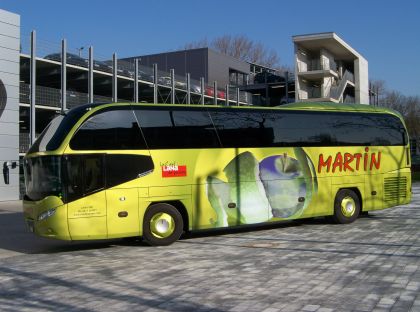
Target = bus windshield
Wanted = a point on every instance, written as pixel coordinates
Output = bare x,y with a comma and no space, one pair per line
43,177
52,137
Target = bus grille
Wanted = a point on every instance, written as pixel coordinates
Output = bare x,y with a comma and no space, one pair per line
395,189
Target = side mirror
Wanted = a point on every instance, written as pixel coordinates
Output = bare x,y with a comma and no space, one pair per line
6,170
6,174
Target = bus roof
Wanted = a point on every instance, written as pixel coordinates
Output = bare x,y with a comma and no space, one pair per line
321,106
310,106
340,107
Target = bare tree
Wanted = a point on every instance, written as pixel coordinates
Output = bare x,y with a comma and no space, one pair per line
203,43
407,106
241,47
378,87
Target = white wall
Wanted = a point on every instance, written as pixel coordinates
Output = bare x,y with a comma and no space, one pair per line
326,87
303,90
361,76
301,65
9,101
301,60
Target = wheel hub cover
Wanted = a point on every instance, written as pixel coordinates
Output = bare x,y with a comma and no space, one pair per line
162,225
348,206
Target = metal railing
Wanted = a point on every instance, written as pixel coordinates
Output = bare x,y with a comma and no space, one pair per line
51,97
45,96
316,64
314,92
48,96
24,142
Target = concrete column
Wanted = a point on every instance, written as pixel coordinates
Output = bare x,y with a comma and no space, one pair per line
227,95
361,77
202,90
172,73
215,92
33,87
155,86
237,96
136,80
90,76
63,75
114,78
297,86
188,89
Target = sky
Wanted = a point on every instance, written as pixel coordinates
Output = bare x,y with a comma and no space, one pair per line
386,33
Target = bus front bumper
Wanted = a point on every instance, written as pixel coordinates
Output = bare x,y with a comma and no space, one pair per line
47,218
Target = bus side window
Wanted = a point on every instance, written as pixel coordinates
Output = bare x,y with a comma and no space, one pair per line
242,129
84,175
122,168
94,173
74,177
177,128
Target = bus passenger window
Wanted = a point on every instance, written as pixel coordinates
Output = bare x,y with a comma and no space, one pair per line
242,129
109,130
177,128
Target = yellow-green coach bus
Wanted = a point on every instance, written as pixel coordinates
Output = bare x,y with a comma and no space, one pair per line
123,170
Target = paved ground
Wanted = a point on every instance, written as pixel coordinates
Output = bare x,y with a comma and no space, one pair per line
370,265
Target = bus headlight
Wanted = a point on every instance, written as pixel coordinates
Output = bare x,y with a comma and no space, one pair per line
46,214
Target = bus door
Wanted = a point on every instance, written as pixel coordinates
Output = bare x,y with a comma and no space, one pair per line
122,194
85,192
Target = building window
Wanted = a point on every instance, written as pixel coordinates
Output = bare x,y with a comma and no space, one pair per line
237,78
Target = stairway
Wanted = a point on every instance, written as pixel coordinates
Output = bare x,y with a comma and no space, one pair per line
337,91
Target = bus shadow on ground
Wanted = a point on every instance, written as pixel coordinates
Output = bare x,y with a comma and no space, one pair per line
264,226
15,237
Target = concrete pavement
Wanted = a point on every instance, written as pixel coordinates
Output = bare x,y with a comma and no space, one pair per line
370,265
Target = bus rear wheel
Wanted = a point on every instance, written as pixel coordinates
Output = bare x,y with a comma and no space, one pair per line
346,206
162,225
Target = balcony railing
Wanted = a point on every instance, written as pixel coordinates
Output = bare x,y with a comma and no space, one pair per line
44,95
316,64
310,93
314,92
51,97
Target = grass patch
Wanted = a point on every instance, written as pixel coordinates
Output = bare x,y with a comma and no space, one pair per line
415,176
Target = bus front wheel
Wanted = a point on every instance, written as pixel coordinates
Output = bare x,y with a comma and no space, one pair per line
162,225
346,206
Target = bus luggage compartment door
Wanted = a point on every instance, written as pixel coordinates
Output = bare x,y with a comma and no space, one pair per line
122,213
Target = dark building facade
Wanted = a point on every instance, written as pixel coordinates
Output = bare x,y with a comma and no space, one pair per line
202,62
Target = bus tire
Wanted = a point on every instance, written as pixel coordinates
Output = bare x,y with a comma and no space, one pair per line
346,206
162,225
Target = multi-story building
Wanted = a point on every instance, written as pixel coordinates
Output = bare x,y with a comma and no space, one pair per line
329,69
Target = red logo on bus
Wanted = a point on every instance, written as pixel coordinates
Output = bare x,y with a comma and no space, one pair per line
173,171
